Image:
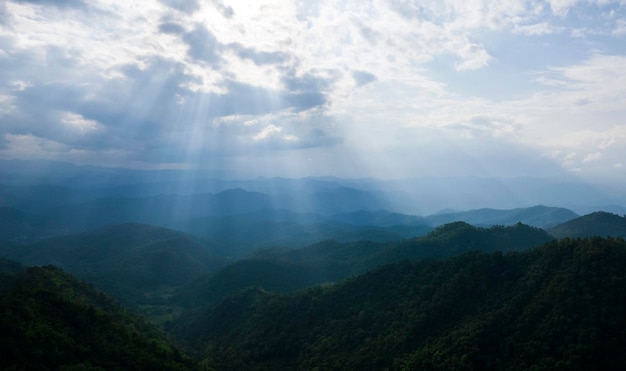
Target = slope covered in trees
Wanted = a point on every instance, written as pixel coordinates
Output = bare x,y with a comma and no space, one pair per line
559,306
51,321
599,223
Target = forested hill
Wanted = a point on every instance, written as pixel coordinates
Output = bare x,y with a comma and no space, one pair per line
51,321
600,223
559,306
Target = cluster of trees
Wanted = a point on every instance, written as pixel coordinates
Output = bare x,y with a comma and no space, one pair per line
51,321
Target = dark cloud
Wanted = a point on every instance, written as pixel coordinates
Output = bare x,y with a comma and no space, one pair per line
244,99
61,4
311,82
225,10
171,28
4,13
305,100
259,58
185,6
363,78
203,45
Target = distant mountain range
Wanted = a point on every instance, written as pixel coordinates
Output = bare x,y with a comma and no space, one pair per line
418,196
537,216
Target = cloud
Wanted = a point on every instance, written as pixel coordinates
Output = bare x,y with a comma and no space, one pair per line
4,13
186,6
226,10
61,4
592,157
473,57
269,130
485,126
203,45
561,7
538,29
620,28
363,78
171,28
258,57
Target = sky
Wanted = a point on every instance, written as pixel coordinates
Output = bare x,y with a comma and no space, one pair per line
385,89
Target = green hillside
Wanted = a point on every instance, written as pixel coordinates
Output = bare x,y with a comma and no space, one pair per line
559,306
595,224
51,321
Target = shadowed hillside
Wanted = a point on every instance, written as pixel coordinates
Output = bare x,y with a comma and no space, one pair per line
51,321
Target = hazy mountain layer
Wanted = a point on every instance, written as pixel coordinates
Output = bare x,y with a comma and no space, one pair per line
417,196
131,261
536,216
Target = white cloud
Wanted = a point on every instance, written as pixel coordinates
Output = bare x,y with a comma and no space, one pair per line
268,131
561,7
538,29
620,27
78,123
592,157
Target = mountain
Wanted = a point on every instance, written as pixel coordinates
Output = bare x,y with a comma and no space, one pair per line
134,262
284,270
536,216
559,306
51,321
595,224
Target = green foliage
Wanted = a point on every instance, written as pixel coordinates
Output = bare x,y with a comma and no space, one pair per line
51,321
559,306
